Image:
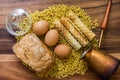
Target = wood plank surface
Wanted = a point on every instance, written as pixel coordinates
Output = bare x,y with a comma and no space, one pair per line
17,71
14,70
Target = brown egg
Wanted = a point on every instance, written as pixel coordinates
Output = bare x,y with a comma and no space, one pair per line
62,50
52,37
41,27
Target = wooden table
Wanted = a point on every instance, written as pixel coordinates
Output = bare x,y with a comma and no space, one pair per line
12,69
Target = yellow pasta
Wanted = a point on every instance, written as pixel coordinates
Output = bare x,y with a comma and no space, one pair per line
71,65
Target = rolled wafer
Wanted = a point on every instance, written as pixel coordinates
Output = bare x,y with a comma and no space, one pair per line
67,35
81,26
80,37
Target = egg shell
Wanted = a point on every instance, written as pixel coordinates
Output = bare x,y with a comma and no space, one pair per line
51,37
41,27
62,50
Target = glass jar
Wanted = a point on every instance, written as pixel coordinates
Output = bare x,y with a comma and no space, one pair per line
14,19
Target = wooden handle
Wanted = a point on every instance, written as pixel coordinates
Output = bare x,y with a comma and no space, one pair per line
104,24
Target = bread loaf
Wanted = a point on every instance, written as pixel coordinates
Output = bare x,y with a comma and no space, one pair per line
32,51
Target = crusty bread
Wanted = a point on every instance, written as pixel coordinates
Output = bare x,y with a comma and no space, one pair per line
32,51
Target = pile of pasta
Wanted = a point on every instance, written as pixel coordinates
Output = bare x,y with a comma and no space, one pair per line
71,65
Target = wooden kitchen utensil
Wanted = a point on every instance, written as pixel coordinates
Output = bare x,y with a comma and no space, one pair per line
105,20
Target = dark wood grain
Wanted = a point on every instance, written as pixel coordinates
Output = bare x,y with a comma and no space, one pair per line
95,8
17,71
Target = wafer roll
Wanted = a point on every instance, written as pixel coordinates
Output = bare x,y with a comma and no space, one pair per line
67,23
67,35
81,26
